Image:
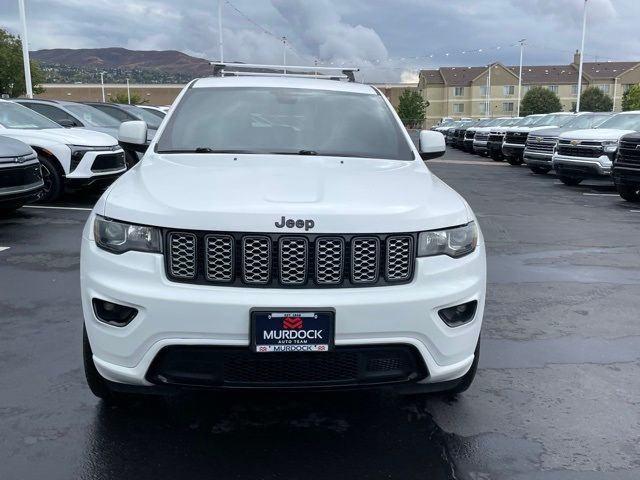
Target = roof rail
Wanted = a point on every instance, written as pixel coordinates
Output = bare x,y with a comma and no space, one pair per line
273,71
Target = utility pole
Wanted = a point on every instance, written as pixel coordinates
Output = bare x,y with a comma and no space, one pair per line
520,76
284,53
220,30
102,85
488,96
128,93
615,92
584,29
25,50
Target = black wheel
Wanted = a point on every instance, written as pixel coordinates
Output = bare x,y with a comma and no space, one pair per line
52,176
97,384
515,161
497,157
540,170
467,380
130,158
629,193
571,181
484,154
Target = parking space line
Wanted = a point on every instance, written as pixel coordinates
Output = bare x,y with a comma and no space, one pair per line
602,194
2,249
467,162
634,211
59,208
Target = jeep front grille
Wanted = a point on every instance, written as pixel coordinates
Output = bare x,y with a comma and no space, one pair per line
288,261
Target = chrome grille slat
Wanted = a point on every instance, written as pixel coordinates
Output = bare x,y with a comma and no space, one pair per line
182,258
365,254
256,259
219,258
399,263
329,261
294,259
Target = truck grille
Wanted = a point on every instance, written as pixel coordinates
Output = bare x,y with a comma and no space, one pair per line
496,137
585,149
469,135
518,138
21,176
288,261
481,137
541,144
628,154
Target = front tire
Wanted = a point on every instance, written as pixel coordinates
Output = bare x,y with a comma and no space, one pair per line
540,170
630,194
53,178
515,161
571,181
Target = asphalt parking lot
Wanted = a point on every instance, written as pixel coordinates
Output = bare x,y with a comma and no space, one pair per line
556,396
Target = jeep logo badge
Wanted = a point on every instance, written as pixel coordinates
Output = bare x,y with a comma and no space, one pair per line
307,224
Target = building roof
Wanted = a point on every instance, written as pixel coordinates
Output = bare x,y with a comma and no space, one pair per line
598,70
460,76
547,74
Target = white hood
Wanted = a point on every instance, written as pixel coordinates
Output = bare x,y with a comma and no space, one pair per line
67,136
610,134
250,193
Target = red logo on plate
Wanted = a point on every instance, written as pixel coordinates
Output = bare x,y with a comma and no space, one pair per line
292,323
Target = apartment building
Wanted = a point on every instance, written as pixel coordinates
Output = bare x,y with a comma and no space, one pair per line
492,91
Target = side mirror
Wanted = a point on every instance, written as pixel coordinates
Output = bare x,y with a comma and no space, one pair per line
66,123
133,132
431,144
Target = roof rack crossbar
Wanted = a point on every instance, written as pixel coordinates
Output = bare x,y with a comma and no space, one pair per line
219,70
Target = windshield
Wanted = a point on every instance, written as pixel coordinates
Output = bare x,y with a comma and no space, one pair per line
512,122
140,113
92,116
553,120
586,121
13,115
158,113
622,121
529,121
285,121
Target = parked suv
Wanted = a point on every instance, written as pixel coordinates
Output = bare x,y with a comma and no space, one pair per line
538,151
626,168
584,154
20,175
515,138
281,232
482,135
69,156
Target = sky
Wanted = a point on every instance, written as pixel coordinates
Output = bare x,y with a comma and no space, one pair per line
390,40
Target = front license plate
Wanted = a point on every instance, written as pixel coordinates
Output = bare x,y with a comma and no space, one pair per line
291,331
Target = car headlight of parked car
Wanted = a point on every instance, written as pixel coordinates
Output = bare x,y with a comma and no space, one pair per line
120,237
610,146
455,242
78,151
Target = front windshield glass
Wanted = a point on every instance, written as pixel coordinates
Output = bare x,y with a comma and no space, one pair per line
555,120
529,121
585,121
622,121
284,121
512,122
152,120
13,115
92,116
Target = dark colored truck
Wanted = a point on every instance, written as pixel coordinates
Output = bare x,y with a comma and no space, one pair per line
626,168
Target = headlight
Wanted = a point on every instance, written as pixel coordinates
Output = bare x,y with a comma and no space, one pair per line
119,237
455,242
78,151
610,147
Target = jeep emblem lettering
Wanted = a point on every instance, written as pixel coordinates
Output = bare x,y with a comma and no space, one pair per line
307,224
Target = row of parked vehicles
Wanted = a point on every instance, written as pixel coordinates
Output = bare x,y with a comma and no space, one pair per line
47,146
578,146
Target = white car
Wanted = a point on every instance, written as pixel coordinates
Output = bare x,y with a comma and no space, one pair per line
281,232
583,154
515,138
68,156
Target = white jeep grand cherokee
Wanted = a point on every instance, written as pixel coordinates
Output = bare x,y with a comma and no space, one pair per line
278,233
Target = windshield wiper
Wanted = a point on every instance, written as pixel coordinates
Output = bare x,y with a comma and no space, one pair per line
295,152
204,150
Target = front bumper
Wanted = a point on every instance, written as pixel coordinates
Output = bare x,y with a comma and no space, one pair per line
175,314
537,159
89,167
580,167
512,149
626,175
479,146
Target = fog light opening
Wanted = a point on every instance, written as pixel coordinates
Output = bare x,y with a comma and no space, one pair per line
112,313
459,314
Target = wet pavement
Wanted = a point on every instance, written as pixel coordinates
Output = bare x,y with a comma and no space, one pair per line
556,396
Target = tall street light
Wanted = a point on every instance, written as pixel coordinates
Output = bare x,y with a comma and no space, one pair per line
102,85
220,30
584,30
25,50
520,76
128,93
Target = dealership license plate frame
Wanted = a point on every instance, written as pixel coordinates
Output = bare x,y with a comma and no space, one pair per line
326,317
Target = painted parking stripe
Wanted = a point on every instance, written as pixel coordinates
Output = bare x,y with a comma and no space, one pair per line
2,249
602,194
59,208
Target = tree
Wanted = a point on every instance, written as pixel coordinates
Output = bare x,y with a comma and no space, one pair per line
540,100
12,70
121,97
631,99
412,108
595,100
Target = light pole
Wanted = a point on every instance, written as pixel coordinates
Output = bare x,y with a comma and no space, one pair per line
520,76
25,50
488,96
584,30
284,53
220,30
102,85
128,93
